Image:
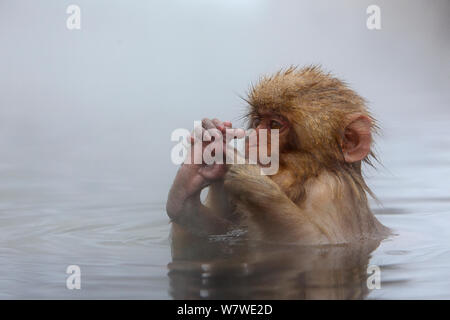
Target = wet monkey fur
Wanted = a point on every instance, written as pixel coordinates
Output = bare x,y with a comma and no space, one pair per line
318,195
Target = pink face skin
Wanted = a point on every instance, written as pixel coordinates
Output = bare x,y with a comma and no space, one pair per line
268,121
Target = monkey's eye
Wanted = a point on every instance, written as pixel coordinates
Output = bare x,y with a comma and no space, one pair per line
275,125
256,123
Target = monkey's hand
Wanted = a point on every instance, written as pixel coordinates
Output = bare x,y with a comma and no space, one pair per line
267,207
183,205
185,208
212,133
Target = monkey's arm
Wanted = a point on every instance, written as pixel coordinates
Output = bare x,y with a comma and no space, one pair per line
266,205
185,208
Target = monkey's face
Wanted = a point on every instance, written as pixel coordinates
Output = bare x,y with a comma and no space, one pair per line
262,139
316,113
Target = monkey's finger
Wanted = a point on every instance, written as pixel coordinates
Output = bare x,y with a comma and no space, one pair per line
206,135
213,172
208,123
227,124
219,124
234,133
190,139
199,133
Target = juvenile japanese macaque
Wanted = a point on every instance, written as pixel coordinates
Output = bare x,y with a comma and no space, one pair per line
318,195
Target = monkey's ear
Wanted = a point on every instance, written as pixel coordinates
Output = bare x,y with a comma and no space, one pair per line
357,138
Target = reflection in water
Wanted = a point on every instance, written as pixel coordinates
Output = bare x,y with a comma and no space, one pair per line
237,269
